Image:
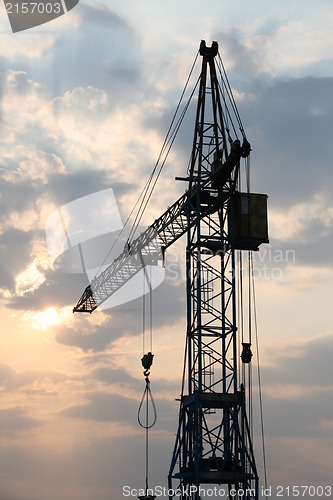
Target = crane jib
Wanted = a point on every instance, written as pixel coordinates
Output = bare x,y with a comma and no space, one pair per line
169,227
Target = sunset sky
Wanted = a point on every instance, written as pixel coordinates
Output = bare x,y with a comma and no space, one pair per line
86,101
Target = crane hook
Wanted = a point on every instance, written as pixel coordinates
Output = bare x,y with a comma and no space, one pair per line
147,361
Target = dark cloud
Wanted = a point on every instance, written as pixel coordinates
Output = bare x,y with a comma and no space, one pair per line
103,16
86,470
311,248
59,289
244,63
104,43
116,376
16,420
312,366
15,251
300,413
288,123
169,305
106,407
121,377
299,416
98,339
13,380
82,56
17,196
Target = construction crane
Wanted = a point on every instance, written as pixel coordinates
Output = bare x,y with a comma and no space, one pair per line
213,444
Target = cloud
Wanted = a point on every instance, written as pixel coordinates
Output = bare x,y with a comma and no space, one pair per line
103,16
121,378
15,251
15,420
97,38
93,467
290,139
89,113
35,168
96,340
34,180
116,376
123,320
305,363
297,388
107,407
104,407
29,380
241,60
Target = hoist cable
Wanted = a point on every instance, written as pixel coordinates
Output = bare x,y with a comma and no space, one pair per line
145,202
123,228
143,312
147,280
231,97
150,310
145,398
145,189
241,307
227,112
250,398
247,171
250,255
259,383
147,361
147,395
168,142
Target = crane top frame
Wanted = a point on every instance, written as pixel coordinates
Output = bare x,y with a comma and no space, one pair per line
214,171
168,228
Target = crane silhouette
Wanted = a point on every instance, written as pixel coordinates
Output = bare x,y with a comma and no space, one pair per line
213,444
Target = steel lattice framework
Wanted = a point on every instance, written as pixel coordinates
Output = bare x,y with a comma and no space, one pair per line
213,443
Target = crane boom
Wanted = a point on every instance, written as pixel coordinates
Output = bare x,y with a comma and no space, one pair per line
164,231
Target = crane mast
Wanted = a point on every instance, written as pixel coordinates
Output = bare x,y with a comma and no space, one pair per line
213,444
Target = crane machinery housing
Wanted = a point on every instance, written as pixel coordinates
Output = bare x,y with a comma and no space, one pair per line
213,444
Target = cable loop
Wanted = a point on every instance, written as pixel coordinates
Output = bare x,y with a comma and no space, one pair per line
147,395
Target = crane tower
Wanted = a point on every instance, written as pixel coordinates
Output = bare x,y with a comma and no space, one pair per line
213,444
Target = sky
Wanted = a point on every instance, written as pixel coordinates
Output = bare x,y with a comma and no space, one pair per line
86,101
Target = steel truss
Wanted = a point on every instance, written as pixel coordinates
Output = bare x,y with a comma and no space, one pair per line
213,444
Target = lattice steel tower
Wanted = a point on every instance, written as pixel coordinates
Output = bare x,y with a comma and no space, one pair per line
213,444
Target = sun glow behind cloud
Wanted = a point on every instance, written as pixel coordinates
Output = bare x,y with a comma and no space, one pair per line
50,317
30,279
